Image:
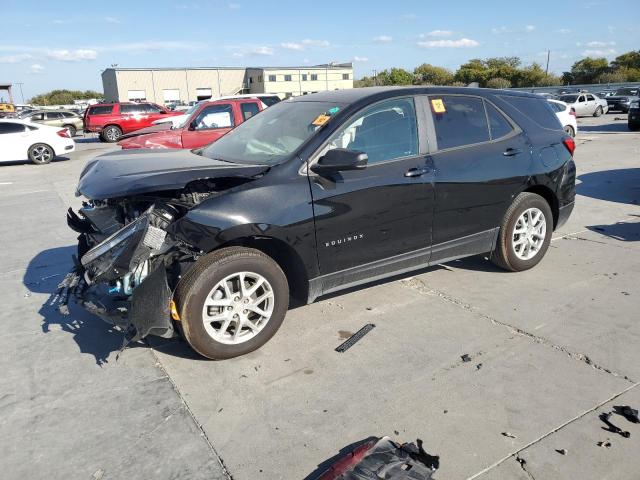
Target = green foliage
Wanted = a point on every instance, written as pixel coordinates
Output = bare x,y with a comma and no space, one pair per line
629,60
612,77
588,69
63,97
498,82
427,74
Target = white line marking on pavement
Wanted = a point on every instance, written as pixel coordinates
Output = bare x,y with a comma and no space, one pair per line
6,183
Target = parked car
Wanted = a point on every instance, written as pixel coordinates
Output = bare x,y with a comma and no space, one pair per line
178,120
56,118
566,115
585,103
208,122
622,98
316,194
112,120
21,140
268,99
633,119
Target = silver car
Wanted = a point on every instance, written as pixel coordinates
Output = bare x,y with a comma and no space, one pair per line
585,103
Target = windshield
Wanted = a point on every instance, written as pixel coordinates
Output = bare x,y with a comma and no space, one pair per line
568,98
274,134
184,117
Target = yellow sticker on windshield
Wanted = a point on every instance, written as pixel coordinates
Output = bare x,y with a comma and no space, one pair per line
438,105
321,120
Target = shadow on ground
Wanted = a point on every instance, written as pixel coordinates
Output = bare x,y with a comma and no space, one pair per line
93,336
617,126
622,231
621,186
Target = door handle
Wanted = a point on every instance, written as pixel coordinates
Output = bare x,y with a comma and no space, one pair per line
416,172
510,152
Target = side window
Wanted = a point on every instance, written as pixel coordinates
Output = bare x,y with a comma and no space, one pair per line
249,110
215,116
581,99
150,108
590,98
54,115
8,127
384,131
459,120
536,109
101,110
130,108
499,126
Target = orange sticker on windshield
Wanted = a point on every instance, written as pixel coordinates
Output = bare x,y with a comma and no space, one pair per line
321,120
438,105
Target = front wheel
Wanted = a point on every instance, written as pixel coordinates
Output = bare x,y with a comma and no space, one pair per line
40,153
598,112
525,233
232,302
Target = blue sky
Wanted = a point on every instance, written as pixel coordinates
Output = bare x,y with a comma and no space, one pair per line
53,44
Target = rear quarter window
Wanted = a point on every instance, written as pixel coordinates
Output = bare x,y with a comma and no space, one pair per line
101,110
536,109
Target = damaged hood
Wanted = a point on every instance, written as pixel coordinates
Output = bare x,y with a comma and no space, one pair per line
133,172
165,138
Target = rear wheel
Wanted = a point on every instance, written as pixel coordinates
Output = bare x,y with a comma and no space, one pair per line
232,302
569,130
40,153
598,112
634,127
111,133
72,130
525,233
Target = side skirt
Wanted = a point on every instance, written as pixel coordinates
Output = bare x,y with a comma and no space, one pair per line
475,244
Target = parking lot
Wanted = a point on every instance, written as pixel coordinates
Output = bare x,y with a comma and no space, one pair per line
550,349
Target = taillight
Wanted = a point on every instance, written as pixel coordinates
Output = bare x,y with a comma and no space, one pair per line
64,133
572,111
570,144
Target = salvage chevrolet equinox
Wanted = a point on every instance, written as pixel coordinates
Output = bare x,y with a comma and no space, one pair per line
316,194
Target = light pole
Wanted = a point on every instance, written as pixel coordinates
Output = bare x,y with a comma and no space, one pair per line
21,94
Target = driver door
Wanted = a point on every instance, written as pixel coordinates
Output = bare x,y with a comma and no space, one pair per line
377,220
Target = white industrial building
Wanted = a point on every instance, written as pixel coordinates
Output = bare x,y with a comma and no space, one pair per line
163,85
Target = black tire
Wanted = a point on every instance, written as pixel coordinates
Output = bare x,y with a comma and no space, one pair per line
196,285
72,130
504,254
40,153
634,127
111,133
598,112
569,130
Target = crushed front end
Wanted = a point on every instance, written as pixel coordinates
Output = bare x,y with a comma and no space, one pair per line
127,264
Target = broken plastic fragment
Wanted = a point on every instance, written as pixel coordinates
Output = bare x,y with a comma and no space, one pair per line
508,435
466,357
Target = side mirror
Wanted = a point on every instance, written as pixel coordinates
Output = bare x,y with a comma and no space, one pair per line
192,126
340,159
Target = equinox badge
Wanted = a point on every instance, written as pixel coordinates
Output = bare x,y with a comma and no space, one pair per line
340,241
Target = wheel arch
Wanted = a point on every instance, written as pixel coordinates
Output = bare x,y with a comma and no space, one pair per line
284,255
551,198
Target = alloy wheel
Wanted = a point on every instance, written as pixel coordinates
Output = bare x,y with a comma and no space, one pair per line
238,308
42,154
529,233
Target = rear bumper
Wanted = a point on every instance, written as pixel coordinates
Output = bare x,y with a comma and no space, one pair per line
564,213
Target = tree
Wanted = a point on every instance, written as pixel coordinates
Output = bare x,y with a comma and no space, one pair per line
535,76
588,69
474,70
498,82
612,77
63,97
627,60
427,74
399,76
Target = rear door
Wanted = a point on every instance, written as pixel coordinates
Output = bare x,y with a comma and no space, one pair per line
479,156
592,104
377,220
582,108
208,125
133,116
54,119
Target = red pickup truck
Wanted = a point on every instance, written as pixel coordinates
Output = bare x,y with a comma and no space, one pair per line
112,120
209,122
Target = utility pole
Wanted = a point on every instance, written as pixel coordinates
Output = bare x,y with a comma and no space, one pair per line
21,94
548,55
375,77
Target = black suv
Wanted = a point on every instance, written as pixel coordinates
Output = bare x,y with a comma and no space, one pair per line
316,194
633,119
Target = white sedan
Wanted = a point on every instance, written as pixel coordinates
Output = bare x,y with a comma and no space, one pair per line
21,140
585,104
567,116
